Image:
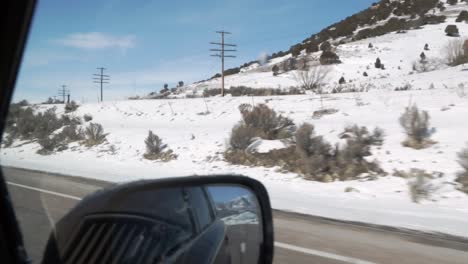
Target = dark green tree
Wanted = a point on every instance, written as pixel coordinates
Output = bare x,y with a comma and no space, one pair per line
452,31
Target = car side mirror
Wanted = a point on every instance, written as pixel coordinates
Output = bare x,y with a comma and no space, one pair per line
209,219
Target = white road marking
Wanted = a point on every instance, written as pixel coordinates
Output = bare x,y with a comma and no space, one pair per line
45,191
277,244
322,254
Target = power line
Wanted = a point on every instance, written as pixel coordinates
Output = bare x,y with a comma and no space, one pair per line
222,54
63,92
101,78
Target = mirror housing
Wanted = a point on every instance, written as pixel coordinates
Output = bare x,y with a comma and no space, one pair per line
143,217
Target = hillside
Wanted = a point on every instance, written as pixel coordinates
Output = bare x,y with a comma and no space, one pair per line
397,51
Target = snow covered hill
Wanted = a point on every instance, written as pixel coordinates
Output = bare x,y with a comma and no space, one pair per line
397,51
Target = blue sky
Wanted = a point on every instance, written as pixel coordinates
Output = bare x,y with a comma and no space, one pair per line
146,43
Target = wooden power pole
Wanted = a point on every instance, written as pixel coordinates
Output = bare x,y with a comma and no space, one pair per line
221,53
63,92
101,78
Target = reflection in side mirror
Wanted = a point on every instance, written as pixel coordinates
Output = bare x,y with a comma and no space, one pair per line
223,219
239,210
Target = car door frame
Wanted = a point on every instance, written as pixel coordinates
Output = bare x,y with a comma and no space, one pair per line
15,23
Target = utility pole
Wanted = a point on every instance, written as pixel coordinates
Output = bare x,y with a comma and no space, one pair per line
222,54
101,78
63,92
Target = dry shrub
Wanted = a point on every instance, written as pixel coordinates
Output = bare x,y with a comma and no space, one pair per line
266,122
241,136
323,112
249,91
67,120
156,149
52,144
311,155
350,159
285,158
47,145
8,140
44,123
94,134
323,162
419,185
72,133
416,126
462,176
23,123
71,107
312,79
457,52
316,154
87,117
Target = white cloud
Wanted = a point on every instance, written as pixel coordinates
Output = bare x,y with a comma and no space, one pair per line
97,40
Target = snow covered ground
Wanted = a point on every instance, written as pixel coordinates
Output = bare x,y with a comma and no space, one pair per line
199,138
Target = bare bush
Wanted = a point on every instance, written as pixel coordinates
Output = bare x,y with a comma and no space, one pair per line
72,133
23,123
156,149
20,122
312,79
457,52
8,140
249,91
241,136
48,145
71,107
94,134
419,185
462,176
53,143
316,154
416,126
67,120
266,122
350,158
323,112
359,140
323,162
460,90
311,155
45,123
427,65
87,117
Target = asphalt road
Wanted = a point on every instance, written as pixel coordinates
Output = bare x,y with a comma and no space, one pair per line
40,199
